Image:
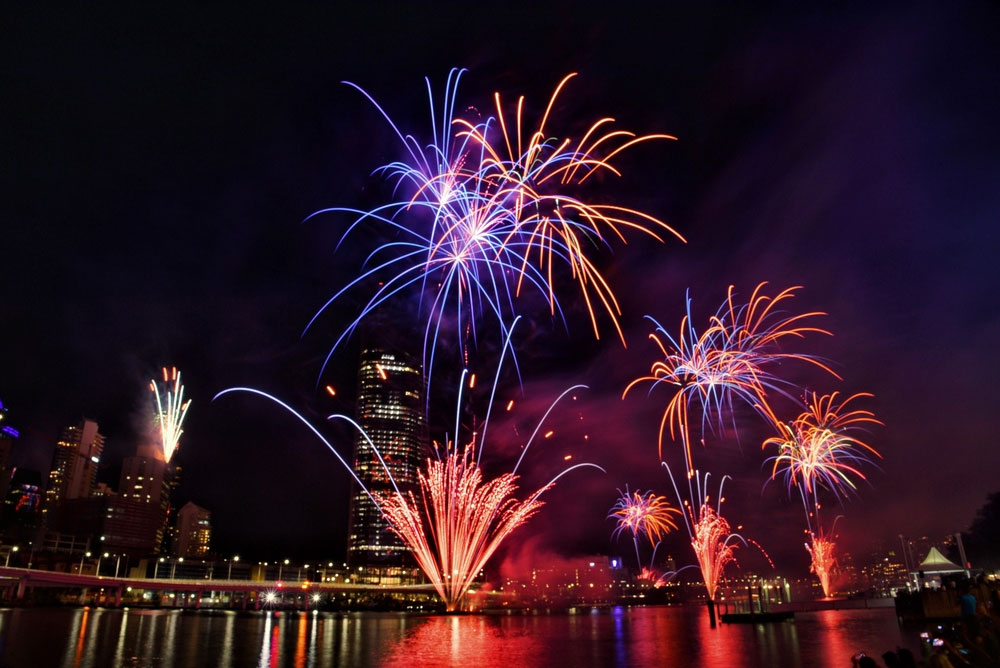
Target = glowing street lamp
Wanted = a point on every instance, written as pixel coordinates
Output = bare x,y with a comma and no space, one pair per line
229,575
173,568
13,549
79,570
103,556
281,566
156,568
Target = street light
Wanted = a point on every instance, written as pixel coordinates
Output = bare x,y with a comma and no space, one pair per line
103,556
173,568
156,567
118,561
13,549
281,566
79,570
229,575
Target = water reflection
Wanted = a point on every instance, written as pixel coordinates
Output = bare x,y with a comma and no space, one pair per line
120,645
465,640
89,637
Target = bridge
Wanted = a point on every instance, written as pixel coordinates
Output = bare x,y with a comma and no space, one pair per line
14,583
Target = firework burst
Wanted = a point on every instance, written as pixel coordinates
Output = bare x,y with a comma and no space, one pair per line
819,448
712,539
489,208
729,362
457,521
643,514
823,560
170,410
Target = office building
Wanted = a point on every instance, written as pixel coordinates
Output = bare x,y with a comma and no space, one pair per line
390,408
74,466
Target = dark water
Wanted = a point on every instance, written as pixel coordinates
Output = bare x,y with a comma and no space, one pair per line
633,637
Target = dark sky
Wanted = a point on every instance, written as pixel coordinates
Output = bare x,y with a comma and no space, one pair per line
157,168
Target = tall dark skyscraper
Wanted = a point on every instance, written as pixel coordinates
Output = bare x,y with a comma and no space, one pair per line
390,408
74,465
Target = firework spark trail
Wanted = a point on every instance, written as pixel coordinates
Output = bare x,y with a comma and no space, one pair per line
712,539
646,514
458,521
823,561
170,409
818,450
487,217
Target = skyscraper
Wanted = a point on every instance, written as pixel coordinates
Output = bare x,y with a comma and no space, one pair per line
74,465
390,410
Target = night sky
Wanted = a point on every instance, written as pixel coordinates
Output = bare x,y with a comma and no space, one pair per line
157,169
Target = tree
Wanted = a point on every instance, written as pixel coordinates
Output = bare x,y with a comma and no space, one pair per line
982,540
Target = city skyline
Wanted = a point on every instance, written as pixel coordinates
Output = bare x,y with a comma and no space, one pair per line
213,184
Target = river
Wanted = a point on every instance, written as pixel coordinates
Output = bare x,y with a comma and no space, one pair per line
618,637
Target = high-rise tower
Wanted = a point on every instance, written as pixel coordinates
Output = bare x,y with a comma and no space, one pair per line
390,409
74,465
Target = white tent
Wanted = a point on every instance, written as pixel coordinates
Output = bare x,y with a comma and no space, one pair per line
937,563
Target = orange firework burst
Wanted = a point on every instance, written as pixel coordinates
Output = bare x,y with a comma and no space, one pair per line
714,546
712,540
819,449
646,514
458,521
823,560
